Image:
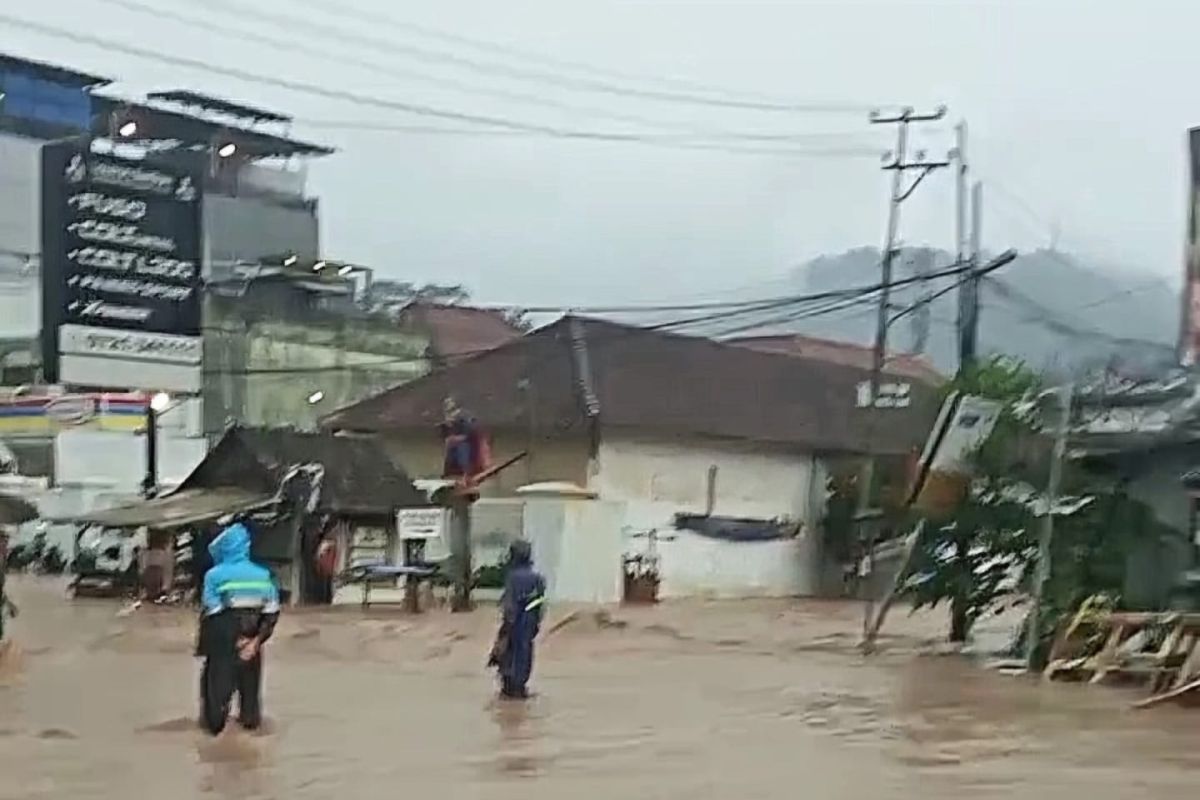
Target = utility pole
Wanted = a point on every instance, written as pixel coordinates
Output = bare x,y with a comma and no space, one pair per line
968,305
899,165
967,250
960,194
962,252
1066,396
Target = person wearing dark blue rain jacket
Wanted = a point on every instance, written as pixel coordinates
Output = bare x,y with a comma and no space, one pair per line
521,617
239,608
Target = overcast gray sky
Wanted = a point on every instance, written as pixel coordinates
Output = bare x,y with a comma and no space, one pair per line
1077,112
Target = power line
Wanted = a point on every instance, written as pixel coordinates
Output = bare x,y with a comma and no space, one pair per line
783,299
489,46
492,69
964,274
848,296
1053,321
317,90
653,140
377,66
695,135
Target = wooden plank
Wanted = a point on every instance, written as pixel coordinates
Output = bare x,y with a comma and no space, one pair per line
1191,663
910,546
1140,619
1106,659
1174,694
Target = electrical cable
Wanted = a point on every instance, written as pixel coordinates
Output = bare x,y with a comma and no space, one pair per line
491,69
559,64
357,98
377,67
849,296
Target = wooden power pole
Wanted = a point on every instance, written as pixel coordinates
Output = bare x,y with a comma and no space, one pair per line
899,166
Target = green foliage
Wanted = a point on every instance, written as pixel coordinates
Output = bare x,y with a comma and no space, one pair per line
979,561
982,561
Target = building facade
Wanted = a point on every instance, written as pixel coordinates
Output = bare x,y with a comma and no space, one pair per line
697,441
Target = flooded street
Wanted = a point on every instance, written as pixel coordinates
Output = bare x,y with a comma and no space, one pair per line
743,700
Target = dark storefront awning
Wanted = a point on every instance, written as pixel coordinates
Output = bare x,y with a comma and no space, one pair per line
184,507
15,510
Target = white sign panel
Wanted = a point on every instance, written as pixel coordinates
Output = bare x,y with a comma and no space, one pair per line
891,395
112,343
129,359
970,427
420,523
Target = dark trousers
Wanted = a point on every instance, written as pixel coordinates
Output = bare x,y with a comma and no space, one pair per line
221,678
324,590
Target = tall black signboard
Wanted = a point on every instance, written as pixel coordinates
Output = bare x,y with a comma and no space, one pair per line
121,247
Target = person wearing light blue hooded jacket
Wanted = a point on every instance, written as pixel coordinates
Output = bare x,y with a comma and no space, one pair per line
239,609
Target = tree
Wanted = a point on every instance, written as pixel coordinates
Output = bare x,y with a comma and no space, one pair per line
974,560
392,296
982,559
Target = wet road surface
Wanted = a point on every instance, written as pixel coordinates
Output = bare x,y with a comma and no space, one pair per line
699,700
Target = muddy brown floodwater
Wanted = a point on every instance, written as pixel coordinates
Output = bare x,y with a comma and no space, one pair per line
700,700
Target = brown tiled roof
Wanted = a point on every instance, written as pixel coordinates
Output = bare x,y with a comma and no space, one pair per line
646,379
456,332
902,365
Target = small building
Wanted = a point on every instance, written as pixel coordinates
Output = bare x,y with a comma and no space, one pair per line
301,485
675,428
1144,436
905,366
455,332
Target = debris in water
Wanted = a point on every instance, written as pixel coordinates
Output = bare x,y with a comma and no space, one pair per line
569,619
56,734
233,746
605,620
11,661
174,725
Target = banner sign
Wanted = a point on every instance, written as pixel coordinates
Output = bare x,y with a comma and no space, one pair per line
42,416
121,256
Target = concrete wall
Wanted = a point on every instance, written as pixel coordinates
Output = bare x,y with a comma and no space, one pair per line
248,228
421,455
263,371
656,478
1158,563
20,235
660,477
20,196
578,546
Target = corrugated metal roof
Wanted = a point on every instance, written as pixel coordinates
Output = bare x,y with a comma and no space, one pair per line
183,507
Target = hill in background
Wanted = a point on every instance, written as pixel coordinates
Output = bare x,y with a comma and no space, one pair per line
1047,308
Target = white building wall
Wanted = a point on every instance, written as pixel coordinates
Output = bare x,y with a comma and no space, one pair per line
20,235
115,461
102,469
658,478
20,197
578,546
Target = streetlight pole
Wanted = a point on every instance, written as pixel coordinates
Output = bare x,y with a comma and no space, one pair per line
155,405
150,481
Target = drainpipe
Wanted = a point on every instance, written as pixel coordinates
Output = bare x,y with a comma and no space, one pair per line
587,395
